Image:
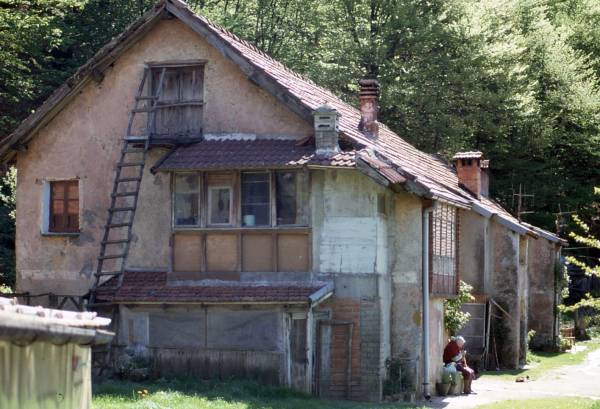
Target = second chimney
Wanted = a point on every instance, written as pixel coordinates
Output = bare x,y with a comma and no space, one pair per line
471,169
369,107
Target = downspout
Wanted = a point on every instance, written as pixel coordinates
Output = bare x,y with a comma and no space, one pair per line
425,296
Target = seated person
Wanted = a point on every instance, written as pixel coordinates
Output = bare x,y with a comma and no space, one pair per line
455,355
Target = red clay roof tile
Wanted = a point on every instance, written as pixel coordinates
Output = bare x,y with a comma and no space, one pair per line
153,287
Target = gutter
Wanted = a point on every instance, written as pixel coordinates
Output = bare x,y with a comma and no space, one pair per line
425,296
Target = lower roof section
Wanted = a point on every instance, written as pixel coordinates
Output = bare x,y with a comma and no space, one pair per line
249,154
153,287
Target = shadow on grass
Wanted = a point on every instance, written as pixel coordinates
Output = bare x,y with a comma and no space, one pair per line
252,394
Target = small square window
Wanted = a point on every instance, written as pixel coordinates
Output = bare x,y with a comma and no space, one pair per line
219,203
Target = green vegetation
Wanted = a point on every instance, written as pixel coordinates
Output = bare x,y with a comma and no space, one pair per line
188,394
454,318
547,403
542,362
519,80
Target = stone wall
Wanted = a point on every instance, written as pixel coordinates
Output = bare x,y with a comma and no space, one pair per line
542,258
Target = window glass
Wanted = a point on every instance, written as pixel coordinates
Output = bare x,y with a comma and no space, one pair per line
219,199
64,206
291,197
256,199
187,198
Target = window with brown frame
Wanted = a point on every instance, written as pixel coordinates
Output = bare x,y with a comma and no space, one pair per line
443,252
64,206
266,199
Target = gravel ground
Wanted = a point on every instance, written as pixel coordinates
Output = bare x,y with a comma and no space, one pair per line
578,380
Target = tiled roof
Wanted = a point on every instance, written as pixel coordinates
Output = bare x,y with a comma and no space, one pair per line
153,287
248,154
468,155
424,174
24,324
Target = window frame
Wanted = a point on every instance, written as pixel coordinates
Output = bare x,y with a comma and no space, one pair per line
201,217
236,216
209,190
49,228
180,103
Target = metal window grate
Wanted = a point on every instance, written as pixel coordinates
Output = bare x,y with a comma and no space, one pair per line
443,250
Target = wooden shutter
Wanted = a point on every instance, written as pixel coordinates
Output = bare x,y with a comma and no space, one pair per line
64,206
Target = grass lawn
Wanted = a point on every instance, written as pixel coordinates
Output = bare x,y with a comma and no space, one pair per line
542,362
188,394
550,403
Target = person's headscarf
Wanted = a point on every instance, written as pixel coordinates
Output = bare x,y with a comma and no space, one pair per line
458,338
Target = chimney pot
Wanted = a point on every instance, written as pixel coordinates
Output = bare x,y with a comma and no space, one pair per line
326,129
369,107
471,169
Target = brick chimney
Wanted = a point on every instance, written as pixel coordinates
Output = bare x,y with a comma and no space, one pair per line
369,107
326,129
471,169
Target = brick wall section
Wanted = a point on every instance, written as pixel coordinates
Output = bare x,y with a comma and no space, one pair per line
469,175
344,310
366,361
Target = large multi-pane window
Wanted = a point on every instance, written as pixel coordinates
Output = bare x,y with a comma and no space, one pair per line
443,250
241,199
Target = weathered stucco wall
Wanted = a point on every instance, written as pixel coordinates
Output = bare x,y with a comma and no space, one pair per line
350,247
472,249
406,260
84,139
542,259
506,291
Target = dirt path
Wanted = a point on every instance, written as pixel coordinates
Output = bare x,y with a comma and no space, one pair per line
578,380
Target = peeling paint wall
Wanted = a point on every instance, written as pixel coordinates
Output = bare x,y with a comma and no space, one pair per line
472,249
542,259
406,267
84,140
506,290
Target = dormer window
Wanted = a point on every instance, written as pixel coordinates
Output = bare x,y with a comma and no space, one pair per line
180,103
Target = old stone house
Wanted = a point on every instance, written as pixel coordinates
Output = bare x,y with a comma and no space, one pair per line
279,233
512,267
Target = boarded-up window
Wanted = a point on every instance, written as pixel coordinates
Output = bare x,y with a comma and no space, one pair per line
443,250
187,200
179,106
64,206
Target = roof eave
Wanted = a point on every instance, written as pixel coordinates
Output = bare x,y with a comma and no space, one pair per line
92,70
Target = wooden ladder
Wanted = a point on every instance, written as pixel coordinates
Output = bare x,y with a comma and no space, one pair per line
125,193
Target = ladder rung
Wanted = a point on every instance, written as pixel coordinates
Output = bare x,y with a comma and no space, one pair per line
122,194
127,164
133,138
128,180
115,241
111,256
109,273
110,226
122,209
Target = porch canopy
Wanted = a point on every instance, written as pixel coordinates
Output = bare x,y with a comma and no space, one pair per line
154,287
223,154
